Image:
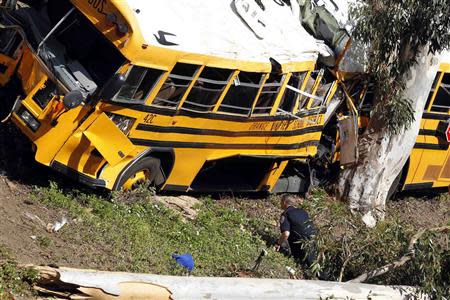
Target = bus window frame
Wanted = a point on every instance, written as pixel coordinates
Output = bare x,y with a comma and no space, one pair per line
217,82
316,86
263,79
233,77
156,85
273,108
193,79
297,107
298,95
435,93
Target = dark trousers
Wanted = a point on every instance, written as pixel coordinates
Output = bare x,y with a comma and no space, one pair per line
303,256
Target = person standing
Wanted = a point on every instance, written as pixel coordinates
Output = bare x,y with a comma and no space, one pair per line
296,228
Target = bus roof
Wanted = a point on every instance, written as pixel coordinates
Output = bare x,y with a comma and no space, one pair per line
216,28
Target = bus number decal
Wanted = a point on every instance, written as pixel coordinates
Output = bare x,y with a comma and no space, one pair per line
149,118
99,5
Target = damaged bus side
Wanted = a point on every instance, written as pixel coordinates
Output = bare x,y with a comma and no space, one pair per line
110,97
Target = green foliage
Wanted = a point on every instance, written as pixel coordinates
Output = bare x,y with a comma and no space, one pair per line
346,246
14,280
138,234
396,32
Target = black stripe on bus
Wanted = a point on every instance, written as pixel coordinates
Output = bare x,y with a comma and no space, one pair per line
431,146
152,143
435,116
430,132
418,186
216,116
197,131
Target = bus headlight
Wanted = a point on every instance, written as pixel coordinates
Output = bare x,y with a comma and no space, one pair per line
122,122
28,119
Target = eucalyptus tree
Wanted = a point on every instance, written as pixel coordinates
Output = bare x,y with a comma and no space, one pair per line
403,39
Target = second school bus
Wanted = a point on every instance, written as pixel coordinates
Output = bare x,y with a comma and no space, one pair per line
189,97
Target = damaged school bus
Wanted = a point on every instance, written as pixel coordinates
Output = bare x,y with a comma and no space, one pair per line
429,163
189,96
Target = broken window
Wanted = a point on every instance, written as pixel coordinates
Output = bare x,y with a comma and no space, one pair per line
433,89
442,100
321,94
10,41
46,93
139,83
241,96
268,95
291,93
175,85
207,89
310,80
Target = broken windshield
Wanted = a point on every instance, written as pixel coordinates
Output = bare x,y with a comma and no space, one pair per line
73,49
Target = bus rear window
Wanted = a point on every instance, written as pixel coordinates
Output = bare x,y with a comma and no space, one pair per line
207,89
139,83
241,96
176,85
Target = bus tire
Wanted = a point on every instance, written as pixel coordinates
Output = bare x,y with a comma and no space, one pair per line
147,170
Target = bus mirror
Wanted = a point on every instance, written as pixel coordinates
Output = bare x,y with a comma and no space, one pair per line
112,87
73,99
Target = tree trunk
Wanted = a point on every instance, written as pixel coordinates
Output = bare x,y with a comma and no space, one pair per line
383,156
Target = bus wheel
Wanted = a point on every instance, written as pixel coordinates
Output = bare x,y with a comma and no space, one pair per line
147,170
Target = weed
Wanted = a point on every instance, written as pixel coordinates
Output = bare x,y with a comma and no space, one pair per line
14,280
138,234
44,241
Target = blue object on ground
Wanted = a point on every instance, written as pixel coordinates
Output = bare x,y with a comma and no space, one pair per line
185,260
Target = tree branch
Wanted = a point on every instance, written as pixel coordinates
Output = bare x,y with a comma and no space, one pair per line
403,260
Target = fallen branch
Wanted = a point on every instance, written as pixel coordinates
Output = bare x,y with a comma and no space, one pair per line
403,260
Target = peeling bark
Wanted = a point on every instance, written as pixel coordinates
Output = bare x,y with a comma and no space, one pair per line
383,156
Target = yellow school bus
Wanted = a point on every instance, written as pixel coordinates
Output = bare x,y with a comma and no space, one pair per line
429,162
428,165
198,97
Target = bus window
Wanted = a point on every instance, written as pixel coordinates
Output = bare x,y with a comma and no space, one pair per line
45,94
207,89
268,94
239,99
290,96
175,86
308,89
321,94
140,81
433,90
442,101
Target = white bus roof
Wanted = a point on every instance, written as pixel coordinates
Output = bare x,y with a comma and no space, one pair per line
214,27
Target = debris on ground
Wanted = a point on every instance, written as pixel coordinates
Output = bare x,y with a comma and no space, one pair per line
183,204
53,228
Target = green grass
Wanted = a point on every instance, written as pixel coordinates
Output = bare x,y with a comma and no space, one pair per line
137,234
14,280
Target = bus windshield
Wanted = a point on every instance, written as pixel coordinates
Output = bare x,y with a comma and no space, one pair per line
76,53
